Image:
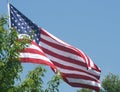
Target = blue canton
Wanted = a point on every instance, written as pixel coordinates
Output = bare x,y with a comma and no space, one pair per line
24,25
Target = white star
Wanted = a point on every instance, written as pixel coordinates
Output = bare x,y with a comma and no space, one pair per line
20,19
12,24
18,15
16,21
28,27
22,23
22,27
18,24
19,30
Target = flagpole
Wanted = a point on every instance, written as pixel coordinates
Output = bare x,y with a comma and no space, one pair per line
8,5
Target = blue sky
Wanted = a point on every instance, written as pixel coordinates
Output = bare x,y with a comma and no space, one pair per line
90,25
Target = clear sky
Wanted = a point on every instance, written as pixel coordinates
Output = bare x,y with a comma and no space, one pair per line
90,25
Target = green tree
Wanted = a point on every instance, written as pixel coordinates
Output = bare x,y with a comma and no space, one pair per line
84,90
34,82
53,84
10,65
111,83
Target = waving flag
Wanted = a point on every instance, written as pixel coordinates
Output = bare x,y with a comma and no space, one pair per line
75,67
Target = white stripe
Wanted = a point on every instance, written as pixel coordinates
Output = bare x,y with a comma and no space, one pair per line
62,53
36,56
66,71
82,81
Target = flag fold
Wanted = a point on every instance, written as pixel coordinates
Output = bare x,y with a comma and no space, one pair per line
76,68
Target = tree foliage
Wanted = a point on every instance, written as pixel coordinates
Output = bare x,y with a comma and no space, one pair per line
10,66
111,83
53,84
33,82
84,90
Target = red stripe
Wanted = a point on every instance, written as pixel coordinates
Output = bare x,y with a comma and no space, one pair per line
34,60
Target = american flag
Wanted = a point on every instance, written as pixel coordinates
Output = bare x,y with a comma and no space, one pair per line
75,67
